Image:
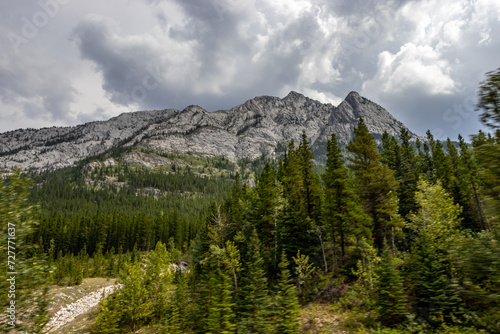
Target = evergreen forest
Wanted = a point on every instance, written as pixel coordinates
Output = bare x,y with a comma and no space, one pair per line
397,236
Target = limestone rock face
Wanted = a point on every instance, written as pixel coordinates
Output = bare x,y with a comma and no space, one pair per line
249,130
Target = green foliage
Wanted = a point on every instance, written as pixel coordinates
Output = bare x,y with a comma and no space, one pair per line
489,99
366,267
344,218
438,217
376,186
145,294
220,306
305,271
132,300
302,192
477,259
179,307
107,320
436,230
255,301
487,151
21,257
391,300
266,213
286,306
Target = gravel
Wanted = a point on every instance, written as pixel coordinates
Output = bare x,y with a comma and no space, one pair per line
82,305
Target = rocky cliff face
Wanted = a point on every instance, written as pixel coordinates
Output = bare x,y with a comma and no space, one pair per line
249,130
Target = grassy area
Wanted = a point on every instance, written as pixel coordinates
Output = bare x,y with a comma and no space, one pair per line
321,318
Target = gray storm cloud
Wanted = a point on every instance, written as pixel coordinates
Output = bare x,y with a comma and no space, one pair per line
421,61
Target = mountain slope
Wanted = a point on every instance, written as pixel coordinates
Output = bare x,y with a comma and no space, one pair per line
254,128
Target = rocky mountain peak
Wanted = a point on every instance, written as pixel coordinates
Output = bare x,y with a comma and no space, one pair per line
250,130
193,109
354,99
293,95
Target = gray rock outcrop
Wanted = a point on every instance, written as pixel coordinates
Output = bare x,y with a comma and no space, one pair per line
254,128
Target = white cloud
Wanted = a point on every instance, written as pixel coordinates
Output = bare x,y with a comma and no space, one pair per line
413,67
219,53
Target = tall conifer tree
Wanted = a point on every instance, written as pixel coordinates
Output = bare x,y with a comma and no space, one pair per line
286,304
376,185
391,300
255,302
343,216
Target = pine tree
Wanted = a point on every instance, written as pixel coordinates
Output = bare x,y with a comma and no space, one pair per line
220,319
435,297
286,306
470,173
342,214
441,165
407,175
376,186
489,99
107,320
267,210
158,279
390,152
255,302
234,208
300,210
391,301
311,192
133,299
177,321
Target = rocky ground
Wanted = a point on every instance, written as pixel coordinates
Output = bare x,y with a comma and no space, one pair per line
69,312
73,308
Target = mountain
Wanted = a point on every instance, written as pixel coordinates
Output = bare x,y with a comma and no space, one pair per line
260,126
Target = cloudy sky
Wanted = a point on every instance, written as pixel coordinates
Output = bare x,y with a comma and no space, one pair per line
65,62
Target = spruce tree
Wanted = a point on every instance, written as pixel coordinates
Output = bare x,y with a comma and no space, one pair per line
342,214
301,209
311,192
133,300
435,297
376,186
286,306
235,214
107,320
177,320
489,100
470,173
390,152
267,209
391,300
254,315
220,318
407,175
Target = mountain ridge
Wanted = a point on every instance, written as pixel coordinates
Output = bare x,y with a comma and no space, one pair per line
249,130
